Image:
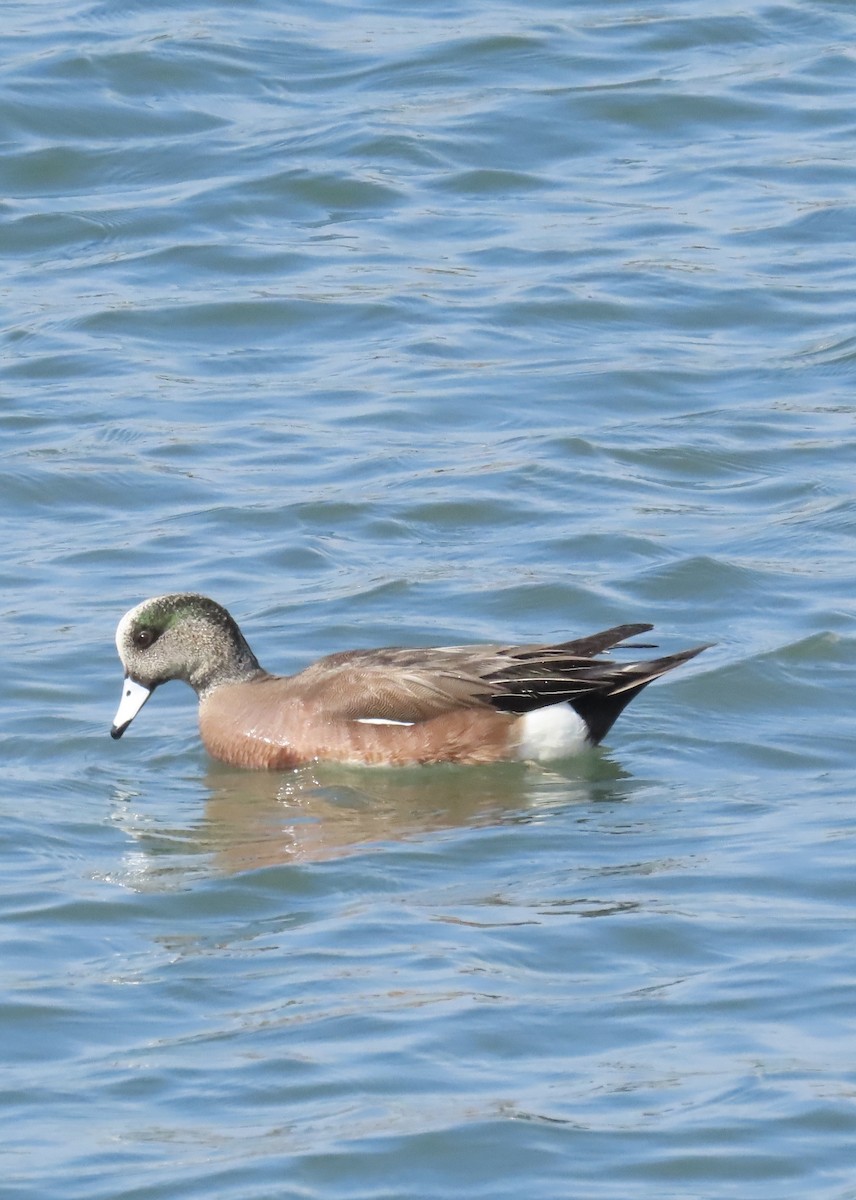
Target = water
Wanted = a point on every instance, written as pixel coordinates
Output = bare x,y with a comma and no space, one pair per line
448,323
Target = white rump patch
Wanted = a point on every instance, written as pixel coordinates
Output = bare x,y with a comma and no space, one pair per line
553,732
381,721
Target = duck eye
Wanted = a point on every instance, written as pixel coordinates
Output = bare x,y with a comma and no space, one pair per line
143,638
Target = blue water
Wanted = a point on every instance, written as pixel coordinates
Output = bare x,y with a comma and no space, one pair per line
422,324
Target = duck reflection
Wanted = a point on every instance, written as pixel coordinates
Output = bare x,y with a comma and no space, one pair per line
254,819
315,814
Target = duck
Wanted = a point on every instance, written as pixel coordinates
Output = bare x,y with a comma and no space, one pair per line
392,706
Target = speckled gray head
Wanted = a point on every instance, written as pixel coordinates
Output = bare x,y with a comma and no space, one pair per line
179,636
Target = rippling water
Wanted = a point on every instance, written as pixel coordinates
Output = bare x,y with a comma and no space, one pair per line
453,323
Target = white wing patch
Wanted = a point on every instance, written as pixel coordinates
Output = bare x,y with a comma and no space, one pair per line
381,721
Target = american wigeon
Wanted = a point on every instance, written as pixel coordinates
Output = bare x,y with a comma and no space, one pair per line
462,704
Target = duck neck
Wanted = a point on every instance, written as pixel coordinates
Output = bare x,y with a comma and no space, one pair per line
239,666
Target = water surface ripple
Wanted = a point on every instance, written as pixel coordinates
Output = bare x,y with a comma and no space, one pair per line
444,323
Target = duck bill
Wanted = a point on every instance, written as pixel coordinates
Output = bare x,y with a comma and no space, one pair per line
134,696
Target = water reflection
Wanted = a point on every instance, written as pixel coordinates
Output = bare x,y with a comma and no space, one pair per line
261,819
328,811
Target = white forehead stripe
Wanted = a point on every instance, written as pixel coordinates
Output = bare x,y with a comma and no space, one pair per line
123,627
